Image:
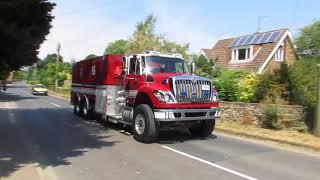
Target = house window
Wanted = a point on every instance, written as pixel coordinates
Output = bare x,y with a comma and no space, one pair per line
244,53
279,56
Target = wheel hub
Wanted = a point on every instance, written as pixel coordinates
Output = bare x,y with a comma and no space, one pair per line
140,124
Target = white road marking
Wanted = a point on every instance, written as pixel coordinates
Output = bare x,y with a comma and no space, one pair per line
210,163
55,104
11,116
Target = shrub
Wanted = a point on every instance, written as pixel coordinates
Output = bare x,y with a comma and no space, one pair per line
273,87
227,84
303,85
247,88
271,119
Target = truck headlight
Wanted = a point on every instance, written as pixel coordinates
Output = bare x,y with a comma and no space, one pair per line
214,96
164,96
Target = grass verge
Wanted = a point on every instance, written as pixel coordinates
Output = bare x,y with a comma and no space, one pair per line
295,138
63,93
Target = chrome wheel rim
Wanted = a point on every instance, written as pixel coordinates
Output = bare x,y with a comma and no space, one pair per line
140,124
77,108
85,110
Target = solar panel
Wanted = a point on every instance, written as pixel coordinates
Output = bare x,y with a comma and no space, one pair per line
265,38
256,39
248,41
242,40
234,42
268,37
274,36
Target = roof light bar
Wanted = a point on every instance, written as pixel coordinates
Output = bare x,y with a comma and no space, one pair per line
157,53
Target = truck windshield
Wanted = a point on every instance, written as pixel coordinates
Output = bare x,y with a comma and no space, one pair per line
155,65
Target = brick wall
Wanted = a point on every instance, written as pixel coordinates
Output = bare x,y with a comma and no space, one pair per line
289,53
291,116
289,57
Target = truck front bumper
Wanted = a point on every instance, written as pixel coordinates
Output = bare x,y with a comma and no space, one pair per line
186,114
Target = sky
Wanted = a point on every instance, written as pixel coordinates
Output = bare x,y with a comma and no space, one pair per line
84,27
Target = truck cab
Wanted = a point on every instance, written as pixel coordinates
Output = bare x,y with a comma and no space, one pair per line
160,93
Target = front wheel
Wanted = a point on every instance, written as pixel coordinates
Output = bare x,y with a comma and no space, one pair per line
203,129
145,128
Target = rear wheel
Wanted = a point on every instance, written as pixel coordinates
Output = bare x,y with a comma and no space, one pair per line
203,129
87,110
145,128
77,108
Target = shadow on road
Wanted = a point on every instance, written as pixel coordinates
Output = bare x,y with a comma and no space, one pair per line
165,137
14,97
46,137
16,86
179,136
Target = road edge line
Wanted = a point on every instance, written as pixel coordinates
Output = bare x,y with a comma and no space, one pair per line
57,105
57,96
210,163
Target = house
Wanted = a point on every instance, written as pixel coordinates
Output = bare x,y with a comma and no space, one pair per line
259,53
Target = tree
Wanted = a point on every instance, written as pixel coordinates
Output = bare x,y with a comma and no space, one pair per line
308,43
145,38
4,71
172,47
117,47
44,71
205,67
23,27
20,75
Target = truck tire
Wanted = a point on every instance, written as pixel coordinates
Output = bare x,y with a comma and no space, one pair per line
77,108
145,128
203,129
87,110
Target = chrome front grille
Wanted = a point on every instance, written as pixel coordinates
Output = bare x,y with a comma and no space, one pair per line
192,91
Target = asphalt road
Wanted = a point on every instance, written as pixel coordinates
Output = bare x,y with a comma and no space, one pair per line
40,138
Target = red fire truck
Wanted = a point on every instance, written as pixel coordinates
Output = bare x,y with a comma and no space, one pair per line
148,92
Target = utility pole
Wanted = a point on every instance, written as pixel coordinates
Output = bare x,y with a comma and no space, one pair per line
316,124
57,63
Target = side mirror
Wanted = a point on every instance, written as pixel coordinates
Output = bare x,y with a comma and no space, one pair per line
193,67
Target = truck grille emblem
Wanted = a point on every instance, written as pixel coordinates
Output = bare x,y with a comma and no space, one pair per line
183,94
205,93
